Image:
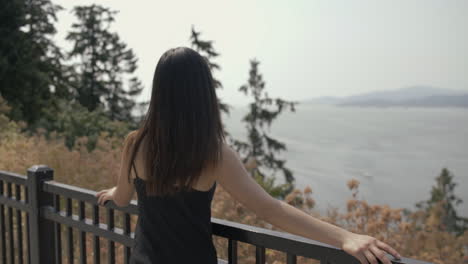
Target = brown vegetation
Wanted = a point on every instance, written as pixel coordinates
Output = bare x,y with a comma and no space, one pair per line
417,234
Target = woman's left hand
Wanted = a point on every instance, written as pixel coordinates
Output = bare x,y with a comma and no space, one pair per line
105,195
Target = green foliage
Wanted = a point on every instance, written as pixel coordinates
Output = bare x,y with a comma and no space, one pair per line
30,62
206,49
260,146
105,64
443,195
74,121
268,184
46,93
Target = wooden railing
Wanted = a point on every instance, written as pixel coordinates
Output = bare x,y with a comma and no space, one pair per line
39,219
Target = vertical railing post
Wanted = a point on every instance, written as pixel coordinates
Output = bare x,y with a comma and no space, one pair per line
41,231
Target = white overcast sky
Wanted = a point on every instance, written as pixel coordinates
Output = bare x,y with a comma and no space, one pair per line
306,48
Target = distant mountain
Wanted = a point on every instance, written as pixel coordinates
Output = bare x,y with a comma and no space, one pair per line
422,96
324,100
429,101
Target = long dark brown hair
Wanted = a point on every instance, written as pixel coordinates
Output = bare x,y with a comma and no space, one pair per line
182,129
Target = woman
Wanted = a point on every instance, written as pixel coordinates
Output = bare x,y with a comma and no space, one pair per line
174,162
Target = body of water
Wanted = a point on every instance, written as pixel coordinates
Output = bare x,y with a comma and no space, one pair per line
395,153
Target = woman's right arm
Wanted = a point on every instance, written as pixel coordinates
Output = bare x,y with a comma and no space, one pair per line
240,185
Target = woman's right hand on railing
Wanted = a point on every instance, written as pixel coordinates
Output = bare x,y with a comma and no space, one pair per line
368,249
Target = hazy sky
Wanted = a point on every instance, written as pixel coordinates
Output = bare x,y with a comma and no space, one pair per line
306,48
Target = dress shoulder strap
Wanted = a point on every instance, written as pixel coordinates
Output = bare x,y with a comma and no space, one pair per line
134,169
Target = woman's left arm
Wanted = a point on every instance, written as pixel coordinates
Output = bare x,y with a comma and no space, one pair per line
123,192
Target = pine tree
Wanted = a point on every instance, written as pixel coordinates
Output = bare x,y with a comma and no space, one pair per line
106,65
261,149
443,194
206,49
31,72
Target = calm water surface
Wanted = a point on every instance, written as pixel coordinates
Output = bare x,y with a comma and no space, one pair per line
394,152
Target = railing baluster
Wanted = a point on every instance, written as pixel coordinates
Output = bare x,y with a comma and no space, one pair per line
81,215
25,235
58,232
127,231
110,243
2,227
232,251
96,244
19,231
259,255
28,230
10,226
70,232
291,258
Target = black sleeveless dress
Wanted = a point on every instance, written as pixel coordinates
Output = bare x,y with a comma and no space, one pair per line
174,229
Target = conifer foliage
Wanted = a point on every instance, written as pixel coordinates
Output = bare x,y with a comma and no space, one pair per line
261,148
206,49
31,74
444,201
105,64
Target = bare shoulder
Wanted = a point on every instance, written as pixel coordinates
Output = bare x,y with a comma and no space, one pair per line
129,140
131,135
128,146
229,154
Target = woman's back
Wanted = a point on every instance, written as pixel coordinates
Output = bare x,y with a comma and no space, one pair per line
186,145
174,229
